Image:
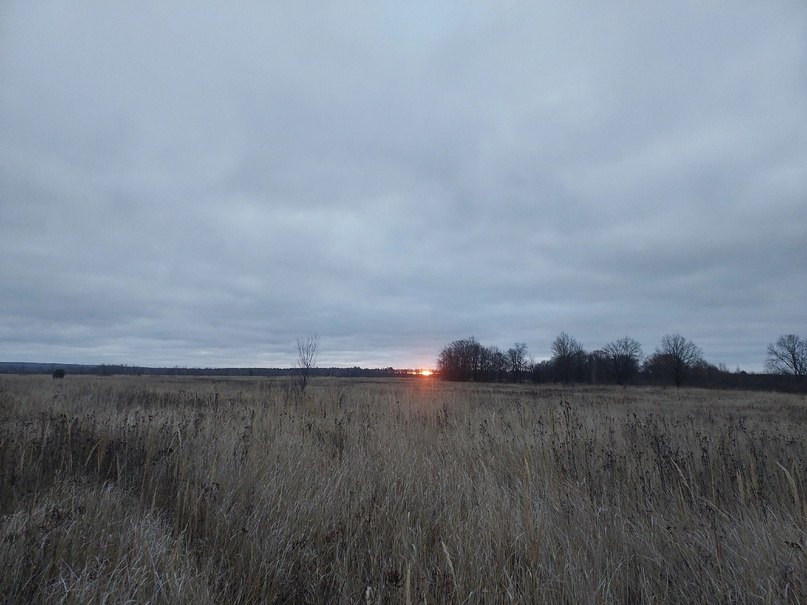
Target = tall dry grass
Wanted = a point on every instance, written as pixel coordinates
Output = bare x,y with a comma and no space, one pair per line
243,491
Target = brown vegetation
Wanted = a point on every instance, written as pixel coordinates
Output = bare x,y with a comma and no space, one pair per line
247,491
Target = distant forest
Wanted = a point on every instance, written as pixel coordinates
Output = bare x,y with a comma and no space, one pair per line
127,370
676,361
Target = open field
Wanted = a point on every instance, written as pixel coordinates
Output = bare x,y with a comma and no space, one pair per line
243,491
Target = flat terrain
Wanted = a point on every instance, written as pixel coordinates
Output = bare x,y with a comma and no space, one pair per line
197,490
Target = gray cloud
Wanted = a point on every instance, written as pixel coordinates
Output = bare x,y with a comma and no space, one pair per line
195,186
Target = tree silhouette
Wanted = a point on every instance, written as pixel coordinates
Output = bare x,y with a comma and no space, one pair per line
625,355
568,358
517,360
788,355
676,356
307,351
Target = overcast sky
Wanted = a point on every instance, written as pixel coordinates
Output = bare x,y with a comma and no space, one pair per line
199,184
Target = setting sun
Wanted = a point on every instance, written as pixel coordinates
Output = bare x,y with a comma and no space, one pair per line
425,372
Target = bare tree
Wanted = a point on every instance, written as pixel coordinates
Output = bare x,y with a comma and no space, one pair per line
788,355
625,356
462,360
307,351
676,356
467,359
517,359
568,357
597,363
498,364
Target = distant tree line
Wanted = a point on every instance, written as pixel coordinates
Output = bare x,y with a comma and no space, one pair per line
675,361
131,370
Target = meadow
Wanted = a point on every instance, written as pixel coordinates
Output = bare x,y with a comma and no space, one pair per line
195,490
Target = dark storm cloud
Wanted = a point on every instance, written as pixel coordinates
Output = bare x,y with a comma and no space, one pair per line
201,186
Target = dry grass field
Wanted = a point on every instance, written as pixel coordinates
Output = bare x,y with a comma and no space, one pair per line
180,490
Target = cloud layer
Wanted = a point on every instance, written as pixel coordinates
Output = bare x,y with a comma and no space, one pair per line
200,186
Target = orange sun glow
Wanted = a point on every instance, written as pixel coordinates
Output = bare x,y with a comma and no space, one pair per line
425,372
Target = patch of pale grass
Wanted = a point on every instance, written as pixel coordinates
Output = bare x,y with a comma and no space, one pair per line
80,543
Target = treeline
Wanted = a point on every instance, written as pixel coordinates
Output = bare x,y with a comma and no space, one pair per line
675,361
130,370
